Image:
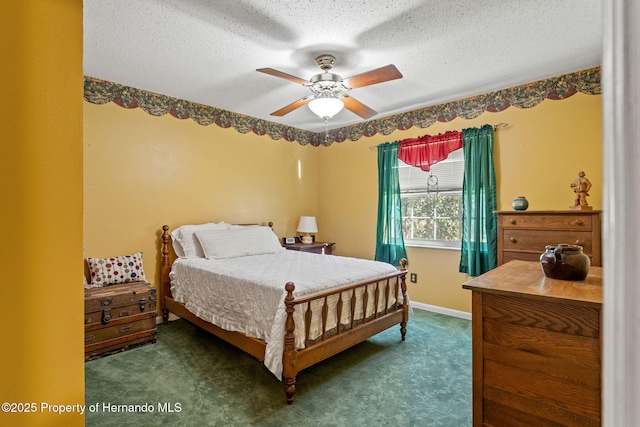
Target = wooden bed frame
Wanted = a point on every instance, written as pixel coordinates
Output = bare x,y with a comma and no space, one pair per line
330,342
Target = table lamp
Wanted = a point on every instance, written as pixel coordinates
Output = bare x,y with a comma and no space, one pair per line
307,225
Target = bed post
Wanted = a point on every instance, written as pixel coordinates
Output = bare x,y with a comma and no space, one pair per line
165,268
288,357
405,299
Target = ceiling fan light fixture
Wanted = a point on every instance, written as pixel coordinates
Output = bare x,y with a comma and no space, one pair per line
326,107
330,90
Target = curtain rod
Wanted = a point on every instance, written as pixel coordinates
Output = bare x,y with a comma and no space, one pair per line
497,126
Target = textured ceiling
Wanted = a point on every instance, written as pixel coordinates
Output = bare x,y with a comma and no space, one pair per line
207,51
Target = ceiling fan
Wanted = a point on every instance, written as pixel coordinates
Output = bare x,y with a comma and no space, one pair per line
329,90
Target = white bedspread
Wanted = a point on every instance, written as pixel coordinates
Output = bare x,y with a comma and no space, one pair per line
246,294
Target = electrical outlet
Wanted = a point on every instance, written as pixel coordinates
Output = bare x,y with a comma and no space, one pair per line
413,278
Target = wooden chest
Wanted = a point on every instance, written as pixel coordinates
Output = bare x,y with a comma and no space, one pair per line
537,356
523,235
118,317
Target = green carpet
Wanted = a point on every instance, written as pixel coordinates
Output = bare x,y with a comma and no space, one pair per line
424,381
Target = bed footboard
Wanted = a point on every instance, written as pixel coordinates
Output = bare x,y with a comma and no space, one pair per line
383,302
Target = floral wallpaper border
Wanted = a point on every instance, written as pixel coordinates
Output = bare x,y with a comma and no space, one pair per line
98,91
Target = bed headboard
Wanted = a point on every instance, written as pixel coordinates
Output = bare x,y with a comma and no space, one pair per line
165,264
166,257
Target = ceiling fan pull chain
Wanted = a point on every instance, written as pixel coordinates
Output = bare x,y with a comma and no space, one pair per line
326,130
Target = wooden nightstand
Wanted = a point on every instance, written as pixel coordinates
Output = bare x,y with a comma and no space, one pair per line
316,247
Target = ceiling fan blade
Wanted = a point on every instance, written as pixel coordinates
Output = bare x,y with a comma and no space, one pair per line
289,108
379,75
285,76
358,107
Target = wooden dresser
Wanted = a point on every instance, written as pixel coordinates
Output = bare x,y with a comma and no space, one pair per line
536,348
524,234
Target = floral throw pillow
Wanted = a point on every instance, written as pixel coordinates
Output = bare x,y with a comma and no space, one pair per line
114,270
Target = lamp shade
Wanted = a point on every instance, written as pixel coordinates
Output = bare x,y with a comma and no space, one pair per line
307,224
326,107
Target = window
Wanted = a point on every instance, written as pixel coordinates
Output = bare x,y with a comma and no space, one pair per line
432,203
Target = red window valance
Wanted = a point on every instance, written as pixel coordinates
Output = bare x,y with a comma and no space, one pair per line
427,150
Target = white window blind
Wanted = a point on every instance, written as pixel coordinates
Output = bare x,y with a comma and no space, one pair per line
449,174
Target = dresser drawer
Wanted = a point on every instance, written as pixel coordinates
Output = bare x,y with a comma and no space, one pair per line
564,222
528,256
532,240
523,256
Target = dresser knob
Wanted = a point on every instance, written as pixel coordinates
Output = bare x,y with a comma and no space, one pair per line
513,240
512,221
579,243
578,222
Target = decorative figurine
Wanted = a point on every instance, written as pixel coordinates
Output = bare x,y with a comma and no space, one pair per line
581,187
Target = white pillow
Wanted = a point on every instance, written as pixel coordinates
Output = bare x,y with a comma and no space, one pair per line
184,240
238,226
219,244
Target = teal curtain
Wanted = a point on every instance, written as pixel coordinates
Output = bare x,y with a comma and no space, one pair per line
389,240
479,224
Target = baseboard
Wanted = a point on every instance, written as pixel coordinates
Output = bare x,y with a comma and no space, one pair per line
441,310
418,305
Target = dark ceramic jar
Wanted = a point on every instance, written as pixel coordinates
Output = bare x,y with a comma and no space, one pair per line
565,262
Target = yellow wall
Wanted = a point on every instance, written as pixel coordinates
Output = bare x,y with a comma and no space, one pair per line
41,360
142,171
538,155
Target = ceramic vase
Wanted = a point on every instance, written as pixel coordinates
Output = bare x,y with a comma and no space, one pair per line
520,203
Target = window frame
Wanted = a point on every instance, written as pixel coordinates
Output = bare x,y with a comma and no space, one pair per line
432,243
